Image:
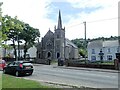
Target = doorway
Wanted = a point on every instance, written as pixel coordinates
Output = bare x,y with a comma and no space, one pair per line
58,55
49,55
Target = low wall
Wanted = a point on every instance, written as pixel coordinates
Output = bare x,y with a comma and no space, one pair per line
42,61
89,65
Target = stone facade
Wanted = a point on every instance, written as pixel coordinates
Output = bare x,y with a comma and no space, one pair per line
54,45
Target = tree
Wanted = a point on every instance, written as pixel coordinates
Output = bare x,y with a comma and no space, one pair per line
80,43
11,27
2,36
29,35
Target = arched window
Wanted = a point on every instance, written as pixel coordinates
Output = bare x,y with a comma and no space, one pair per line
58,36
49,44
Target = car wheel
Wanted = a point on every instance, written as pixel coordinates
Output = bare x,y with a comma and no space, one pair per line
4,71
17,74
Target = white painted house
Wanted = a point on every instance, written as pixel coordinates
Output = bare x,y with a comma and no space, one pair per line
103,50
30,53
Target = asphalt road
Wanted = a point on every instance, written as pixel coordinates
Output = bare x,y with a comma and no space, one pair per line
94,79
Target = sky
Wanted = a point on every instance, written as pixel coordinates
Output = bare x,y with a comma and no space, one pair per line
101,16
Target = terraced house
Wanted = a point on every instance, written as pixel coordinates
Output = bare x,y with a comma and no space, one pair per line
103,50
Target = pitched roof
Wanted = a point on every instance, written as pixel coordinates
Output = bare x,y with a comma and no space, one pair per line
49,33
93,44
59,21
100,43
69,43
110,43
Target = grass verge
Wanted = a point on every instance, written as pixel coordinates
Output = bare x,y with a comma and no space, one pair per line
0,80
15,82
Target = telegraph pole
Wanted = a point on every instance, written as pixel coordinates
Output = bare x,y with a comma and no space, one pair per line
85,40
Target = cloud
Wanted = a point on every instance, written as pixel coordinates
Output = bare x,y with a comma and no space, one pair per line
105,28
30,11
43,14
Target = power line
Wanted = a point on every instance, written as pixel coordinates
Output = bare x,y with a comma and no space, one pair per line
74,25
101,20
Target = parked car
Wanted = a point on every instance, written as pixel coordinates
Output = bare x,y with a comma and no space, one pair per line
2,64
18,68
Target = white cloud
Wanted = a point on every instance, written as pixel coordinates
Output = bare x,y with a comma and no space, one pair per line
30,11
34,12
104,28
91,3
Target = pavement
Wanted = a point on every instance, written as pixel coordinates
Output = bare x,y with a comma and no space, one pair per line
81,68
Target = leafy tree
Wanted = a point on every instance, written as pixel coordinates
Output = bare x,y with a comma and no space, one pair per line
2,36
80,43
11,27
29,35
0,24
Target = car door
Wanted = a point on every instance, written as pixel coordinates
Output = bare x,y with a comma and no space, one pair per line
8,68
14,67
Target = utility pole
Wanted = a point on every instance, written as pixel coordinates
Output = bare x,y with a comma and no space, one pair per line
85,40
17,50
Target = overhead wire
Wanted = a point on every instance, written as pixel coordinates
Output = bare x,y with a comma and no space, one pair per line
94,21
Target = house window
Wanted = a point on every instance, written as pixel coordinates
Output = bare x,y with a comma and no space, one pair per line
93,51
93,58
109,57
108,50
100,49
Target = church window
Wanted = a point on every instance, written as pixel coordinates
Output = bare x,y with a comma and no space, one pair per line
49,45
57,46
39,55
58,36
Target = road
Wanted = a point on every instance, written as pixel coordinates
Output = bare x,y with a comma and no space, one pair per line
95,79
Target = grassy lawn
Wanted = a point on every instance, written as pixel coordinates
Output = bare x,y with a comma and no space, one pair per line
97,62
14,82
0,81
104,63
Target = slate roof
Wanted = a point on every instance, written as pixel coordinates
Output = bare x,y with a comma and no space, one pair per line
110,43
93,44
100,43
69,43
49,33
